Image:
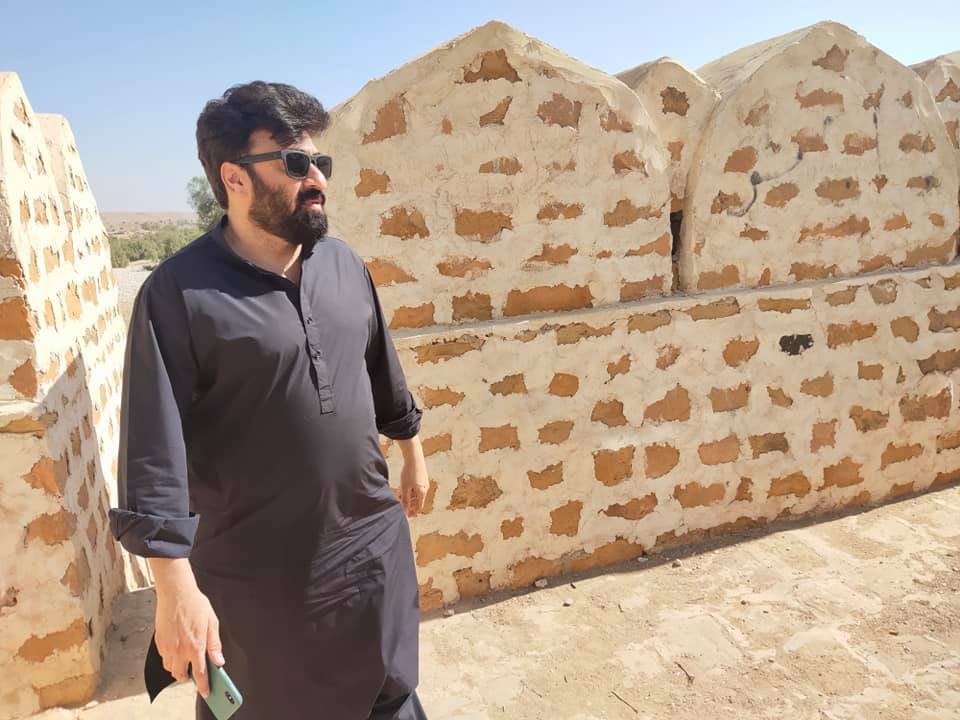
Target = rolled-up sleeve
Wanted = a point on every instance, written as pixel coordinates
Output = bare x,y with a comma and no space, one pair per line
398,416
153,518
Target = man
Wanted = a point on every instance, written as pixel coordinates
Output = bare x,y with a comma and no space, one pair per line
259,372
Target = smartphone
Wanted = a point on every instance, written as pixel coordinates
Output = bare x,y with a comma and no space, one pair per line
224,698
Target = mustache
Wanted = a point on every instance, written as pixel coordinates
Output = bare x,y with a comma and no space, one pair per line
309,195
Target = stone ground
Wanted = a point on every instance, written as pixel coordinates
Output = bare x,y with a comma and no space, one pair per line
853,617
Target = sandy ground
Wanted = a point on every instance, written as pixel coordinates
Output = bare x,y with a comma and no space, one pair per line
856,617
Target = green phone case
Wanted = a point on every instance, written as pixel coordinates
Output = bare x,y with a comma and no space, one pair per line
224,698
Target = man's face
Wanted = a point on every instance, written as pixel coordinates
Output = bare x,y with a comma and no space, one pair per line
282,206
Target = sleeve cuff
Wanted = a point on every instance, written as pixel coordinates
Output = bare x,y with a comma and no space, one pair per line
402,428
152,535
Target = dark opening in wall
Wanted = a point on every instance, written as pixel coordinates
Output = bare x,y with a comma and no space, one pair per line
676,220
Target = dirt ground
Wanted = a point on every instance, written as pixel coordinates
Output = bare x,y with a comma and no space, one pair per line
855,617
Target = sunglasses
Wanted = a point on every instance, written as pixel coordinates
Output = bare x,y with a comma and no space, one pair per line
295,162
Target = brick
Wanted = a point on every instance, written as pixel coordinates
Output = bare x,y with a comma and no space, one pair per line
501,166
674,101
474,492
431,598
385,273
609,412
667,356
944,479
868,420
510,385
755,234
793,484
726,307
546,478
729,399
626,213
627,161
77,575
940,254
564,385
498,114
528,571
912,142
744,491
820,97
560,211
919,408
648,322
880,182
447,349
632,291
38,648
779,398
612,467
48,475
839,335
944,321
435,397
846,228
872,100
857,144
696,495
437,444
767,443
463,267
673,407
809,141
611,122
843,474
715,279
942,361
556,432
24,380
635,509
780,195
554,254
906,328
548,299
899,453
620,367
511,528
435,546
413,317
741,160
723,202
719,452
661,458
738,351
15,320
446,127
838,190
391,120
404,223
869,372
565,520
843,297
72,691
923,182
783,305
824,434
662,246
52,528
818,387
561,111
575,332
483,225
472,584
493,66
897,222
834,60
948,441
472,306
498,438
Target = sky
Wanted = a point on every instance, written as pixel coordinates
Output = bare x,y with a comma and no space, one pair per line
131,77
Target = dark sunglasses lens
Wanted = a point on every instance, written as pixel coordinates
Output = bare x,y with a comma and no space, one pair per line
324,165
298,164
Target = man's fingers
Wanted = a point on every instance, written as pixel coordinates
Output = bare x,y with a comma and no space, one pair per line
178,668
214,646
199,666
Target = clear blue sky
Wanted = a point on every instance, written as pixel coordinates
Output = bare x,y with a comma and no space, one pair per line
132,76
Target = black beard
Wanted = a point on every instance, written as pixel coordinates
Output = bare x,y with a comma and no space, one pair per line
271,213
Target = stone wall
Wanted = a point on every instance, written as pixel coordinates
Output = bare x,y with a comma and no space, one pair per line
679,103
824,158
560,444
494,177
61,345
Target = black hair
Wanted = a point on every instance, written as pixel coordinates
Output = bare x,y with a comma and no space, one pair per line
225,125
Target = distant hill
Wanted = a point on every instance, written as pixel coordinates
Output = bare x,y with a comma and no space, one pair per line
127,224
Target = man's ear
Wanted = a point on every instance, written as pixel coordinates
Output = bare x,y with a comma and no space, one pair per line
234,179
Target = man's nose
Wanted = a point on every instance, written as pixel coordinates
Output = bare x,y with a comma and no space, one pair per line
316,179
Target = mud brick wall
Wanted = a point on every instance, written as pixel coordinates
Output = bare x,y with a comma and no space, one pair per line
496,177
61,355
679,103
942,76
560,444
824,158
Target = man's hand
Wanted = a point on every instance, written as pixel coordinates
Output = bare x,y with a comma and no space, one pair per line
414,481
187,629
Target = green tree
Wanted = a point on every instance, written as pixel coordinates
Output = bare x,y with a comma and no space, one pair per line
201,199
